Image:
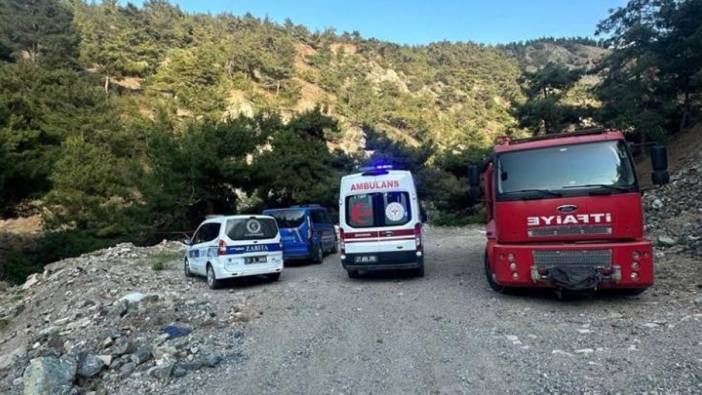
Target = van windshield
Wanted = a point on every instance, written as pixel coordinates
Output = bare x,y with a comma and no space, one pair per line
251,228
378,209
288,218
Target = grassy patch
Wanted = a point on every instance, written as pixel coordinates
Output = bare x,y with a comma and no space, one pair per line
161,260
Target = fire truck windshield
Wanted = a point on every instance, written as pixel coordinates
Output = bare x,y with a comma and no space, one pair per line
565,170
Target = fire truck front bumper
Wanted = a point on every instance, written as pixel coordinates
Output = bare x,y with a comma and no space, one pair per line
574,266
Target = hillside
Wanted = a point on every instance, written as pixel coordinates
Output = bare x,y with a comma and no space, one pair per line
574,53
158,58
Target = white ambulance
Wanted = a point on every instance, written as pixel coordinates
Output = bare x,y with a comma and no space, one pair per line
380,220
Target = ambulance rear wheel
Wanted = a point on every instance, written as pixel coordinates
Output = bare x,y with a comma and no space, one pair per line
353,273
491,281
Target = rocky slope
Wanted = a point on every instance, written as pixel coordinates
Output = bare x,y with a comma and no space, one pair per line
533,55
89,323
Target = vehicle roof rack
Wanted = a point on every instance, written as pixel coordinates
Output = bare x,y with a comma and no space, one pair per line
581,132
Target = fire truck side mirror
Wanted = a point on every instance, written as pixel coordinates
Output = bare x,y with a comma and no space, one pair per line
659,163
474,182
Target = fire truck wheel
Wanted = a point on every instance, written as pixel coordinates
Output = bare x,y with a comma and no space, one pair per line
419,272
491,282
631,291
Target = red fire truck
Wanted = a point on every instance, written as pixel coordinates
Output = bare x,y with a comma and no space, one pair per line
564,211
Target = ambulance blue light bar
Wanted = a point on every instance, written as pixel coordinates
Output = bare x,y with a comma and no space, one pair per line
376,170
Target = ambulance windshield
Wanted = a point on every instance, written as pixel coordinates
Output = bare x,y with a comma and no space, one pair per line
378,209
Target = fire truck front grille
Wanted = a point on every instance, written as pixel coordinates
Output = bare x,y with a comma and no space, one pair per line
570,230
595,258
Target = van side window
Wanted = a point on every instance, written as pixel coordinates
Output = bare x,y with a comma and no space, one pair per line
205,233
319,217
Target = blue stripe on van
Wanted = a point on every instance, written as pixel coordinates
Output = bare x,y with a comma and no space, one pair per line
236,250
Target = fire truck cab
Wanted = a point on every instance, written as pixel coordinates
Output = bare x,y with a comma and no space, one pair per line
565,211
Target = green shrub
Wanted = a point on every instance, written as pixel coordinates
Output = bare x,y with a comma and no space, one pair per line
159,262
17,267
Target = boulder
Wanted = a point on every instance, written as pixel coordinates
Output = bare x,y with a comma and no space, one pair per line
174,331
49,375
132,298
666,241
141,355
90,365
31,281
162,371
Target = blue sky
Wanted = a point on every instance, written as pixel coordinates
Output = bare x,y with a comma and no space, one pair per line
420,22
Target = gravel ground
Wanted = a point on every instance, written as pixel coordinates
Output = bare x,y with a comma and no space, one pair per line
317,331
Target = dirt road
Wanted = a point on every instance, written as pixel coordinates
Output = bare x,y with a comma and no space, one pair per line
318,331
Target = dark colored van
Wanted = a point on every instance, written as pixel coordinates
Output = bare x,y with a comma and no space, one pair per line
306,231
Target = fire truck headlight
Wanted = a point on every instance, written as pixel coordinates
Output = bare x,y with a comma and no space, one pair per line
634,276
513,267
635,266
510,257
515,275
635,255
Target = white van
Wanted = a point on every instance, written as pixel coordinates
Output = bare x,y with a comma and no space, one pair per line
381,222
234,246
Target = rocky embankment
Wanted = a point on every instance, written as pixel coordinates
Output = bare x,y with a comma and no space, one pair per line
674,211
112,320
674,223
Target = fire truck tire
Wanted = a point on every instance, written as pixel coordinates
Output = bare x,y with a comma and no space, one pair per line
419,272
491,282
631,291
